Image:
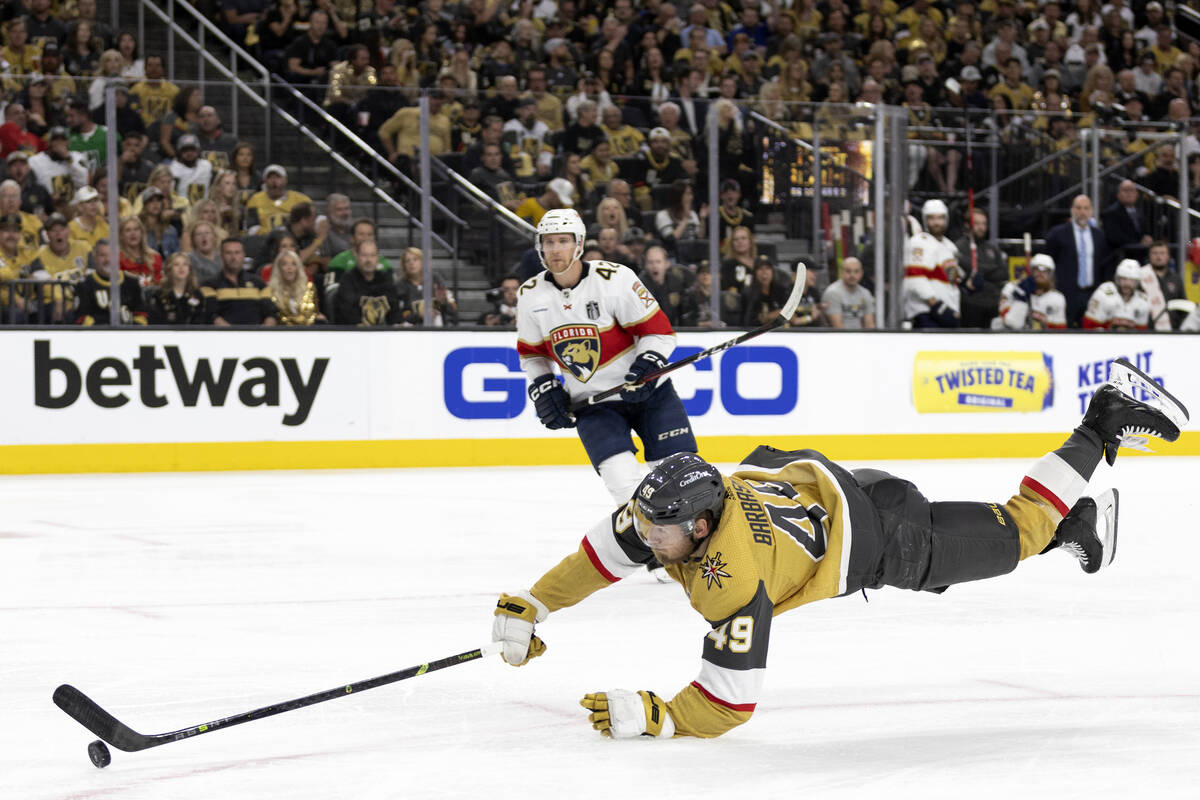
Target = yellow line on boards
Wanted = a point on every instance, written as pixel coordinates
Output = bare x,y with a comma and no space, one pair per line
416,453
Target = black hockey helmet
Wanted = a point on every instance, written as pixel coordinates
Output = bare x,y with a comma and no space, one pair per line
677,491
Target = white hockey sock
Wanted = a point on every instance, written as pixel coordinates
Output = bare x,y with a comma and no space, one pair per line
1061,477
621,475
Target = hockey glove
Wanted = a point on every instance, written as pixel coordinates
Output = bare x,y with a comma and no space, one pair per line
1025,289
945,316
622,714
642,366
516,615
552,403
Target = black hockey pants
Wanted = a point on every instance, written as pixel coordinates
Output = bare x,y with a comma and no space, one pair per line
930,546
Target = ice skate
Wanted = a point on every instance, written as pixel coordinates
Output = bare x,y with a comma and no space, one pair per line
1130,408
1089,531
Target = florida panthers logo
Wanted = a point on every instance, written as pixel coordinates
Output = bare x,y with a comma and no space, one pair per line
578,349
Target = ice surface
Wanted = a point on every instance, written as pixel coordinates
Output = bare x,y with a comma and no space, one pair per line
177,599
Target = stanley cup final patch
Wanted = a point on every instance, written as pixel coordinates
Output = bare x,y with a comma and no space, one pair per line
593,310
577,348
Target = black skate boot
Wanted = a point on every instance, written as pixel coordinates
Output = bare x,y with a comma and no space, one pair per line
1089,531
1131,407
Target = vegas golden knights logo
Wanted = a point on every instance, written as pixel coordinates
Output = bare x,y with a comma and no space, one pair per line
218,158
62,186
578,349
196,192
375,310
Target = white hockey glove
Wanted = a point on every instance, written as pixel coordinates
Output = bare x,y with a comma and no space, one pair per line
516,615
622,714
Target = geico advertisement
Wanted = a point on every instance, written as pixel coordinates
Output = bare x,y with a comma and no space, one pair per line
747,381
149,385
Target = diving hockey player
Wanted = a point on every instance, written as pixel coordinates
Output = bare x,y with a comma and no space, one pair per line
1119,304
602,327
930,286
789,528
1033,303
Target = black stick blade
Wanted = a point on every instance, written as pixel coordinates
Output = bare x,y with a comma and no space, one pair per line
87,713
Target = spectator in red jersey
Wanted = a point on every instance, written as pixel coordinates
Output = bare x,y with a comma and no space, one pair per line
136,256
14,135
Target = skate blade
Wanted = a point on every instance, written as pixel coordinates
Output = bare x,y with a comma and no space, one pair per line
1107,511
1127,378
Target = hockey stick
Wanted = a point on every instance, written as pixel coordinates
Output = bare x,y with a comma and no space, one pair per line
87,713
785,314
971,196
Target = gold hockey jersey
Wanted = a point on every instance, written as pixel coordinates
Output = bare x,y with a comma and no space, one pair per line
785,538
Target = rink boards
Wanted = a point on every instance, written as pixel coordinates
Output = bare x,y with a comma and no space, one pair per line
151,400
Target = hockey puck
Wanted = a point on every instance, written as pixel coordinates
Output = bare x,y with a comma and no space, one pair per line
98,753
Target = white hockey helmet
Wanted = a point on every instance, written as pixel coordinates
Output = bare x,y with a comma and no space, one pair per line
1129,269
934,206
561,220
1042,261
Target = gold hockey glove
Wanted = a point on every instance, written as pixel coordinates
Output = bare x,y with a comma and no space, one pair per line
622,714
516,615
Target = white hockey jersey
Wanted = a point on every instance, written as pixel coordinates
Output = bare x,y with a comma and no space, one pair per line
60,178
1107,309
930,266
1017,314
527,146
1154,296
592,331
192,182
1192,323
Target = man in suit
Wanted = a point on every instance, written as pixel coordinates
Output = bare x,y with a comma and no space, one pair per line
1125,227
1082,253
693,111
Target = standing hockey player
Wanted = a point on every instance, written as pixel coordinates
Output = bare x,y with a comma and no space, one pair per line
1119,304
1033,303
930,286
602,327
788,528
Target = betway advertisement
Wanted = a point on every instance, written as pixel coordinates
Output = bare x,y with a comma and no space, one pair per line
75,387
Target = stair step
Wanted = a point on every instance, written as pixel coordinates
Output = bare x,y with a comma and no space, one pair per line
312,172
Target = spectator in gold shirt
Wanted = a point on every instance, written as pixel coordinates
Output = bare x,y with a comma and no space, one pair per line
1018,93
154,94
598,165
271,207
402,133
87,225
22,57
10,203
625,140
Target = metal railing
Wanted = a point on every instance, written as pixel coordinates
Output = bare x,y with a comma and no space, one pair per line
371,153
381,162
463,188
29,301
237,55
